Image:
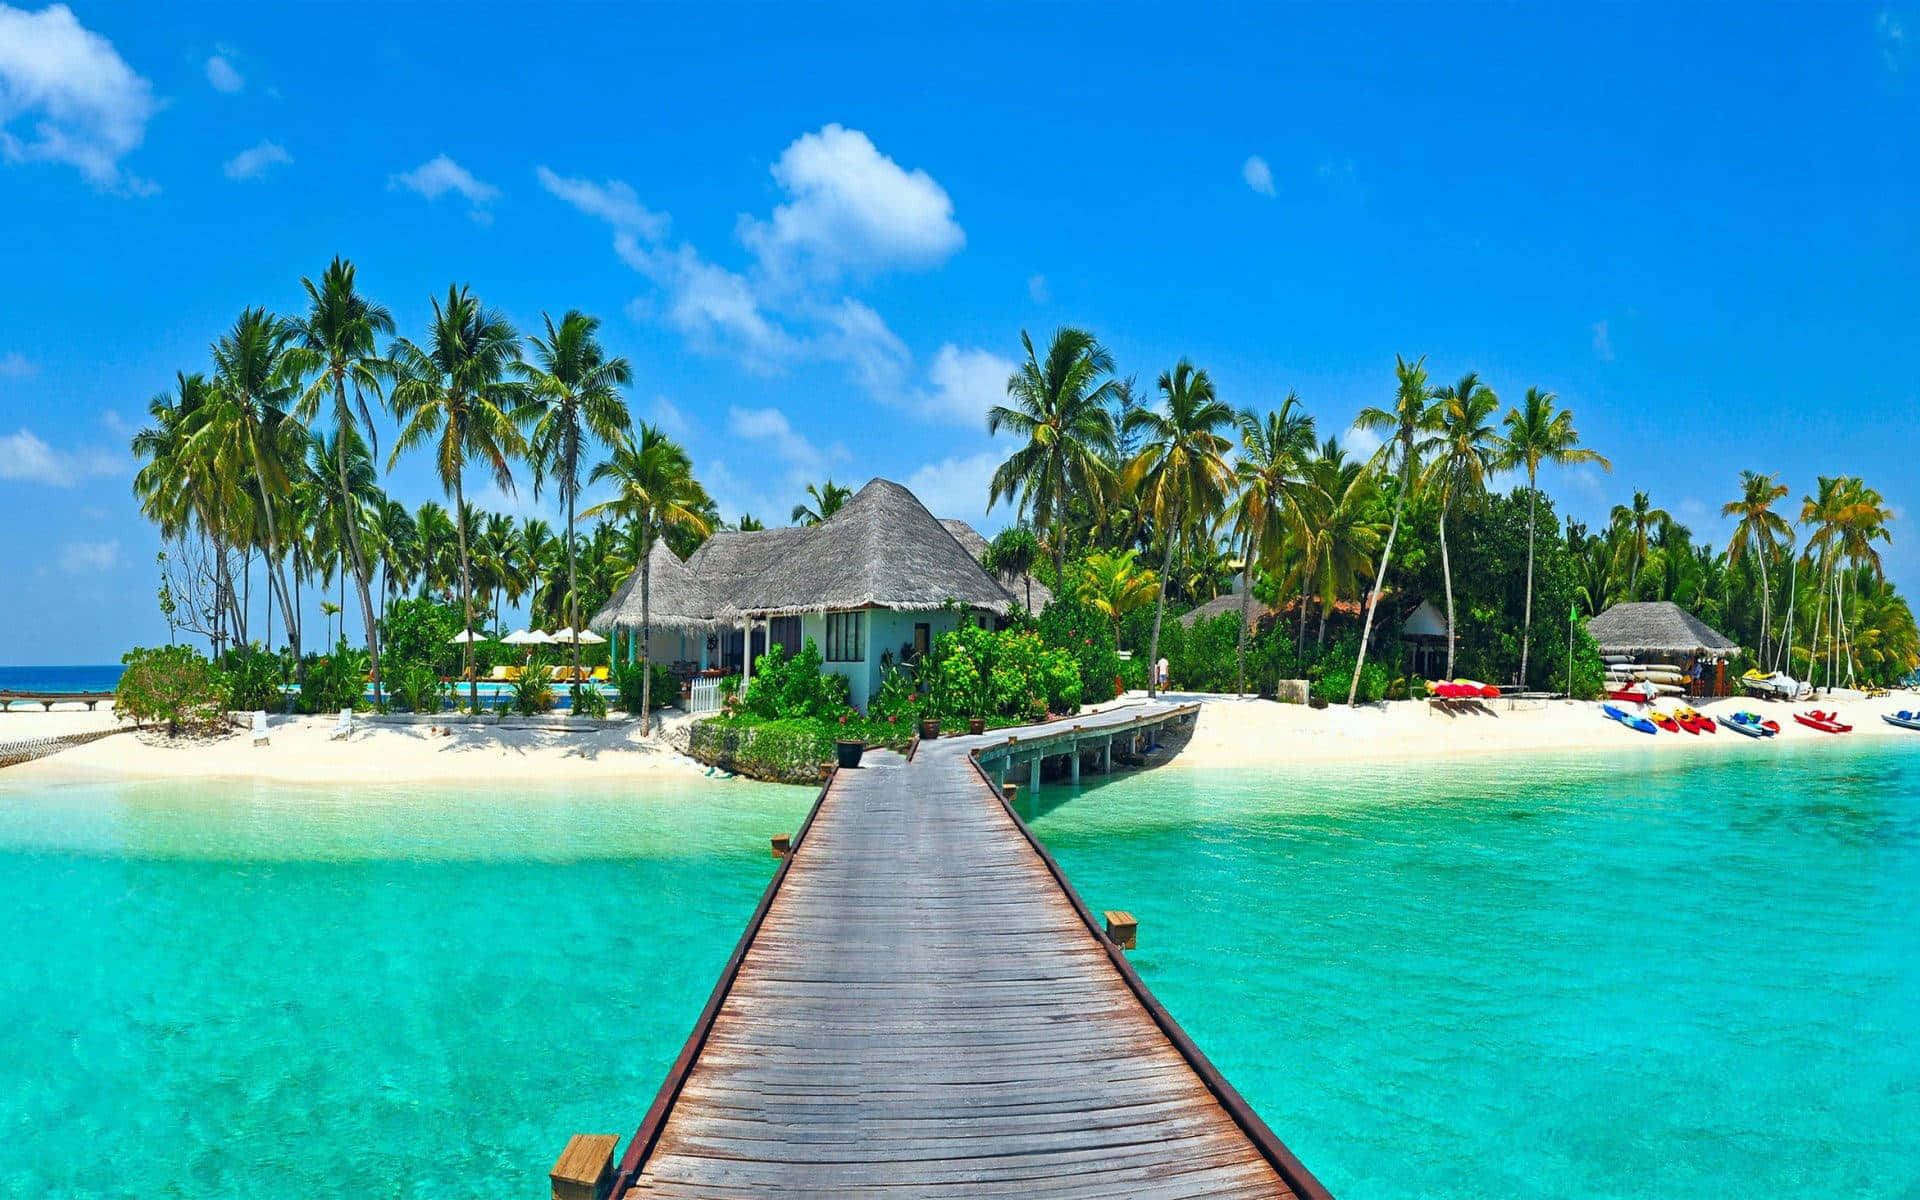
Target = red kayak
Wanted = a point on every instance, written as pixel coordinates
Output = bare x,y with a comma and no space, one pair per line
1825,722
1665,722
1630,695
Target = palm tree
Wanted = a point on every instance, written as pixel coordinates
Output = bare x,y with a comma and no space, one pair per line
574,393
248,433
1538,432
1269,475
336,344
654,492
179,491
400,557
455,393
1637,522
1181,471
1114,585
345,504
1061,408
1463,445
1339,504
1760,534
748,523
439,548
823,500
1408,416
1013,551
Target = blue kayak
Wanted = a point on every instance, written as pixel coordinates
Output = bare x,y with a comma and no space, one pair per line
1628,719
1903,718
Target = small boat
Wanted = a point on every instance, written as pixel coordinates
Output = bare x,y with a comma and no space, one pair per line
1450,691
1752,729
1665,721
1633,693
1903,718
1476,688
1825,722
1627,719
1763,724
1698,722
1778,685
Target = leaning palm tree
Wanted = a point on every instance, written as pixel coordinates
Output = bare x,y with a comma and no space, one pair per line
1759,535
1061,408
1637,523
1181,471
1463,446
1538,432
180,492
248,433
454,392
1408,416
336,344
573,393
654,493
1266,510
823,500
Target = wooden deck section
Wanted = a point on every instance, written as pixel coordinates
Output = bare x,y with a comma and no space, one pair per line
921,1005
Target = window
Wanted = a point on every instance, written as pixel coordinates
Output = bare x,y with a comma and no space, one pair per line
922,640
844,641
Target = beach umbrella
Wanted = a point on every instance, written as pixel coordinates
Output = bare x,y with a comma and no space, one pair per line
461,639
526,637
587,637
563,636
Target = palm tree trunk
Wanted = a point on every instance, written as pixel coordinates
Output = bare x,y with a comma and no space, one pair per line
274,571
1060,535
1246,612
1160,608
646,635
573,607
1446,575
466,589
1306,576
1380,578
1526,627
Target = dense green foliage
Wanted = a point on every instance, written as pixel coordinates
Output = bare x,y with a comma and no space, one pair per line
171,684
628,678
1071,624
794,686
254,678
972,671
335,680
416,687
533,690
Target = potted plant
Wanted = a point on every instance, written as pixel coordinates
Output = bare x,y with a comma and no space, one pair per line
929,728
847,750
976,725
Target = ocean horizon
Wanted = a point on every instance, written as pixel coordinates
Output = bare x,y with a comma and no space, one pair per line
76,677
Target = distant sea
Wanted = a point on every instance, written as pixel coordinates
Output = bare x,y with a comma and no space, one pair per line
102,678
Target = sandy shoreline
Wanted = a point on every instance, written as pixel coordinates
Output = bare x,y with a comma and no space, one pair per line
1231,733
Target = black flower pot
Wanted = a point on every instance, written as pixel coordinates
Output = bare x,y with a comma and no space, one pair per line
847,754
929,729
976,725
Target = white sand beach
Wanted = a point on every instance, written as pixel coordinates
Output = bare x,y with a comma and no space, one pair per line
1231,733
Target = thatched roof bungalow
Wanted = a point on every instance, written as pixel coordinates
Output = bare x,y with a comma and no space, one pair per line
1225,602
873,583
1657,629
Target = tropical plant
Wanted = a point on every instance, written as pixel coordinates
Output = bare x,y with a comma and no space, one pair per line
823,500
174,684
1181,471
1060,408
655,493
1637,522
1462,445
1269,477
454,392
1408,416
1759,537
1539,432
1114,585
1012,553
533,688
573,394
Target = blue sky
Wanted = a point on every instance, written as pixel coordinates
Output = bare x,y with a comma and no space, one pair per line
818,232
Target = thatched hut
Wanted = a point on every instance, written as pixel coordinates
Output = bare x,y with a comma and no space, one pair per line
1425,632
1225,602
1661,631
872,584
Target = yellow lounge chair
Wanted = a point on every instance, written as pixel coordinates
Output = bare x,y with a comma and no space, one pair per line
512,674
599,674
499,675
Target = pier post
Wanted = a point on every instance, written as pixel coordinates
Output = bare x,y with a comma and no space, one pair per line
782,845
1074,758
1106,756
585,1168
1122,930
1033,775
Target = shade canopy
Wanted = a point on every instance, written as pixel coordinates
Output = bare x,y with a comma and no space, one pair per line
568,636
461,639
526,637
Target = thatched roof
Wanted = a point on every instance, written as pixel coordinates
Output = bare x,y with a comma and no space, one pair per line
676,597
883,549
1226,602
1016,585
1655,627
1424,622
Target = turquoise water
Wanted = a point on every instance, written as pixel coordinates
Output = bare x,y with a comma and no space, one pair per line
225,990
1571,978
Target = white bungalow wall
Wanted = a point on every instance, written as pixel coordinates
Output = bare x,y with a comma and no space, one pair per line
883,630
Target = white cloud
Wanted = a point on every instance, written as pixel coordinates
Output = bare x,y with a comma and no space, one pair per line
858,338
86,107
1602,341
1891,33
440,175
223,76
957,486
771,428
254,162
1037,289
85,558
15,365
851,207
1258,174
669,417
116,424
24,457
614,202
712,306
965,383
1360,443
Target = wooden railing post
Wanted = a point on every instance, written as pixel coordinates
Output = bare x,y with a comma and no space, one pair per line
585,1168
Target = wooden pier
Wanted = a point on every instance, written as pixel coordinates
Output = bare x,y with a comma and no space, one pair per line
922,1005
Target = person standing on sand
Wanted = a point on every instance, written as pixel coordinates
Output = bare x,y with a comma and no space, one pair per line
1160,673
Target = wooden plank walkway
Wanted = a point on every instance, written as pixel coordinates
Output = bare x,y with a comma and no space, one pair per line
923,1006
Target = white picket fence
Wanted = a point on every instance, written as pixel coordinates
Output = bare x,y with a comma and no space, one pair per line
706,696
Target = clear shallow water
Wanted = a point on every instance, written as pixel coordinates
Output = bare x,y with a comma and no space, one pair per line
230,990
1541,979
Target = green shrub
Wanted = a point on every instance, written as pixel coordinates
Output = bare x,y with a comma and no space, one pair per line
254,676
416,687
1069,625
896,700
783,751
417,632
787,687
627,678
533,691
174,684
334,681
1335,675
593,701
1589,673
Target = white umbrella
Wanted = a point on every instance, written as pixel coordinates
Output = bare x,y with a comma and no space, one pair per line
461,639
588,637
564,636
526,637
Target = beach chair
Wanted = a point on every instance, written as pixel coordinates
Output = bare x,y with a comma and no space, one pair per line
499,675
343,727
260,727
513,674
599,674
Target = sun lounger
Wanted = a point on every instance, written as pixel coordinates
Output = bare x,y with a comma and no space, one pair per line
260,727
343,727
512,674
599,674
499,675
